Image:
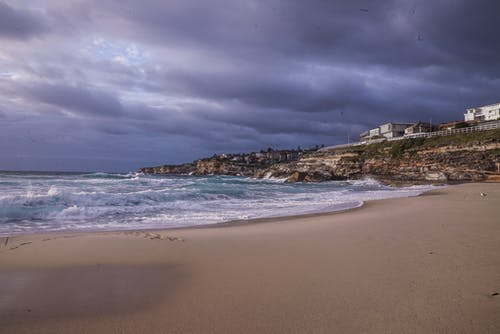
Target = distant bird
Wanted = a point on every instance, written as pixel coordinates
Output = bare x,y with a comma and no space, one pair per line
483,195
30,137
364,10
420,38
413,10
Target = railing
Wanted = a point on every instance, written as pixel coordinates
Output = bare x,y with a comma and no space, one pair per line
483,127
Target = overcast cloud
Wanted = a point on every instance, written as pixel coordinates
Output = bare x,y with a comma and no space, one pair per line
105,85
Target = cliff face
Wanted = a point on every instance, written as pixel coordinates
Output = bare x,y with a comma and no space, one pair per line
470,163
209,166
406,161
214,166
318,167
170,169
464,157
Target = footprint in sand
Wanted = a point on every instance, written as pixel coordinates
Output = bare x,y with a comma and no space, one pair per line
154,236
20,245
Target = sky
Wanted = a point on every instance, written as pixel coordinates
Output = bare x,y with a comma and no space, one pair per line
114,85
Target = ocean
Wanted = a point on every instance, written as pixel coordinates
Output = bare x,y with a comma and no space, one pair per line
34,202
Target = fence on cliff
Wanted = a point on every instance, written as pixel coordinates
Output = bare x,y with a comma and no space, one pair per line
488,126
482,127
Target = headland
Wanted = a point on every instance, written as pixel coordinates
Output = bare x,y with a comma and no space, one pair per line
462,157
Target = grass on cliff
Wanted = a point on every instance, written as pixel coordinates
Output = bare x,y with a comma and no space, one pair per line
396,149
464,138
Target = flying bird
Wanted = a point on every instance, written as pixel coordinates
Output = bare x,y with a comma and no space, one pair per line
420,38
413,10
364,10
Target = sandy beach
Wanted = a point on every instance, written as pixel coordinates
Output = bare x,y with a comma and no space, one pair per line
427,264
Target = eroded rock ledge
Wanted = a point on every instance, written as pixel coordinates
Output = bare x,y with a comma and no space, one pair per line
458,158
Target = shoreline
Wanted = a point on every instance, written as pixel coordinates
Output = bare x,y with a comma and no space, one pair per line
236,222
426,264
228,224
308,215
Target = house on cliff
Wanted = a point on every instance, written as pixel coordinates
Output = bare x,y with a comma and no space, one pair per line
486,113
418,127
391,130
387,130
370,135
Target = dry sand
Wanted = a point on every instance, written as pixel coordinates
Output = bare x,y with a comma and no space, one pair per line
429,264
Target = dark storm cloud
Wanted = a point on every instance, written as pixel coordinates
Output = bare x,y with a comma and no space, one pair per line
18,23
77,98
400,38
278,89
172,81
404,33
466,33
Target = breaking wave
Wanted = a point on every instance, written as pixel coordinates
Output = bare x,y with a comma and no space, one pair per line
31,202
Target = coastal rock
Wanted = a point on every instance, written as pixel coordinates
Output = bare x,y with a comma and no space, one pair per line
462,158
435,176
170,169
296,177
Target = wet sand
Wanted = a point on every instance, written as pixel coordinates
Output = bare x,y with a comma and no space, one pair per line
429,264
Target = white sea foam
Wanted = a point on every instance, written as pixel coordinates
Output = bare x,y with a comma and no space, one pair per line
71,211
53,191
101,201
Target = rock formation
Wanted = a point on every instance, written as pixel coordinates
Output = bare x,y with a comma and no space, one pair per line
457,158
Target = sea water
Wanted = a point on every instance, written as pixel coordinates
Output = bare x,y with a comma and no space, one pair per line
32,202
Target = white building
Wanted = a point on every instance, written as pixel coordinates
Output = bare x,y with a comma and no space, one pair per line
374,132
388,130
369,135
391,130
486,113
417,128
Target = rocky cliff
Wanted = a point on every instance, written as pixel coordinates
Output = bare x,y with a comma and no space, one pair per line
188,168
460,158
210,166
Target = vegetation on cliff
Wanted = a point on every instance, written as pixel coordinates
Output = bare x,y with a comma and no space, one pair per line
398,148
